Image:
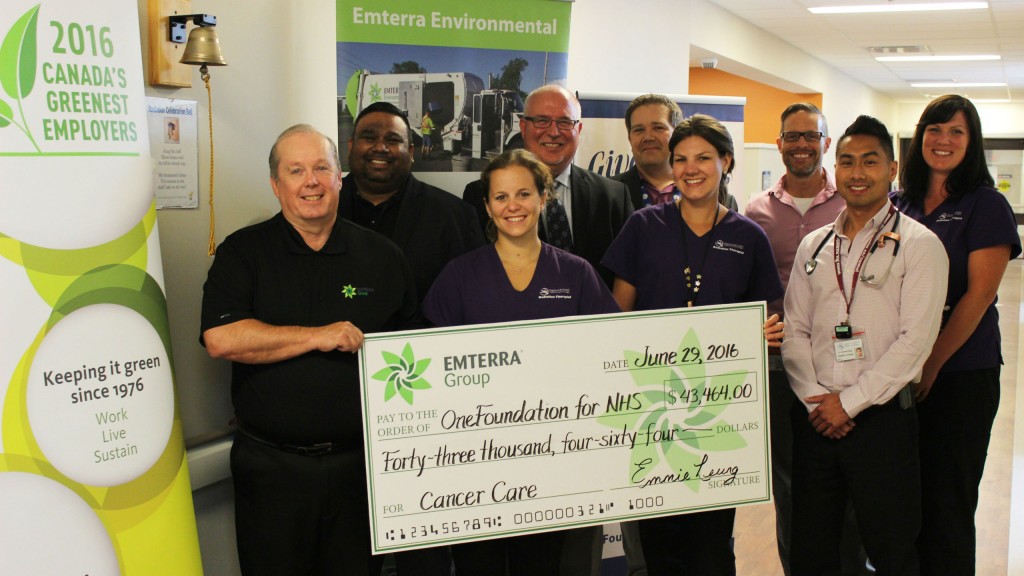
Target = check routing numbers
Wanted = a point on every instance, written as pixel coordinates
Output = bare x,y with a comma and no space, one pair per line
489,428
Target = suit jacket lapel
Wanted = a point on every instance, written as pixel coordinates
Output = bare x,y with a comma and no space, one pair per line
580,208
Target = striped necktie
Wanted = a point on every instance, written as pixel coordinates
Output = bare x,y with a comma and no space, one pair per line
559,233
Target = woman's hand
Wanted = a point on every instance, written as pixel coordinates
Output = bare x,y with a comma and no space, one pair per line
774,331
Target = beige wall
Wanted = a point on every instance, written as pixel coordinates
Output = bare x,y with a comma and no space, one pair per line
281,70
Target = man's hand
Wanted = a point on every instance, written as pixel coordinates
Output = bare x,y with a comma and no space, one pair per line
773,331
342,336
829,418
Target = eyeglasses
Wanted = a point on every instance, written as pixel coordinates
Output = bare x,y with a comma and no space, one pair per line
543,122
808,136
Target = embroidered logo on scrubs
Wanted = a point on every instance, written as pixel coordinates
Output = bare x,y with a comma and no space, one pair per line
728,247
403,374
350,291
557,293
950,216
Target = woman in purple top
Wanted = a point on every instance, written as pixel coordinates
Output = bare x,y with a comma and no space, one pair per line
689,253
947,187
516,278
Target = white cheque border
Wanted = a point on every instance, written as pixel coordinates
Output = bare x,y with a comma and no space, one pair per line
554,424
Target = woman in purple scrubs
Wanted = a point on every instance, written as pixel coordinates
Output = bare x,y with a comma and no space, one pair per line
693,252
948,188
507,281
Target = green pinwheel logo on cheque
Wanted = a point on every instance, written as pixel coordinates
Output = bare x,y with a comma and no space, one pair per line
403,374
676,419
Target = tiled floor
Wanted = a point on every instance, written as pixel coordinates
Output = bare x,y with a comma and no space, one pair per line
755,525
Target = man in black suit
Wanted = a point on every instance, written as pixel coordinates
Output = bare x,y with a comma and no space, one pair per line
650,119
430,225
596,207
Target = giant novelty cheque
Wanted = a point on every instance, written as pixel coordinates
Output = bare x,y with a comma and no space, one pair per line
499,430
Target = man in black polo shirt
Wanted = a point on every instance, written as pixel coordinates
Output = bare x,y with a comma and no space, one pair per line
287,301
430,225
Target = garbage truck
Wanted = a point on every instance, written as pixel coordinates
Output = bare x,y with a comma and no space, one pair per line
470,120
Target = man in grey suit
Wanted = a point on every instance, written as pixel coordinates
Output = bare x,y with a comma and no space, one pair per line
596,207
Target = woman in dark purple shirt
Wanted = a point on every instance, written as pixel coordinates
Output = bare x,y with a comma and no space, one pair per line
948,188
689,253
514,279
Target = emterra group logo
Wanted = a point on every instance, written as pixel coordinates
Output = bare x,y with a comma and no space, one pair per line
375,92
403,374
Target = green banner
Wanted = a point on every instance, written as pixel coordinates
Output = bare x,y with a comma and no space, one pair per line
524,25
93,477
467,66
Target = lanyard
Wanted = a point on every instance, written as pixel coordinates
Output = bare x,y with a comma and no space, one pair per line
860,261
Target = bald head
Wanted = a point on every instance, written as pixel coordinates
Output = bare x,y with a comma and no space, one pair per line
546,108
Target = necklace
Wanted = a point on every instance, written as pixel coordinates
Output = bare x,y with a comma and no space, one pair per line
693,284
507,262
518,269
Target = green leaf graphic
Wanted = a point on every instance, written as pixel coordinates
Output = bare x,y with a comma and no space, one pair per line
6,114
421,366
406,395
18,56
721,442
392,359
410,360
645,451
683,461
383,374
418,384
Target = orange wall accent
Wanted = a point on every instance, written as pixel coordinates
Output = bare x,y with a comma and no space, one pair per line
764,103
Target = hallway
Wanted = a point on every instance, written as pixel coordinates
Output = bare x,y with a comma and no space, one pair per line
755,525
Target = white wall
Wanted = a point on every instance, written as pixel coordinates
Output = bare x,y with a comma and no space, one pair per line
759,158
640,46
997,119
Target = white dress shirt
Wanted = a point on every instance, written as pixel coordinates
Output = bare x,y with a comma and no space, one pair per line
897,321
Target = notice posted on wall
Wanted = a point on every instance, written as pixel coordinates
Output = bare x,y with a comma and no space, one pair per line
172,141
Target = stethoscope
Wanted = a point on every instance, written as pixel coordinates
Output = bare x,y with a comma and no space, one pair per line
892,234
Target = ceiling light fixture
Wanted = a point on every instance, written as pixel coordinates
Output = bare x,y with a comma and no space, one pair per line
957,84
936,58
898,8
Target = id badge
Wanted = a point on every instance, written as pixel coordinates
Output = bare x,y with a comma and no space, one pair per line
852,349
